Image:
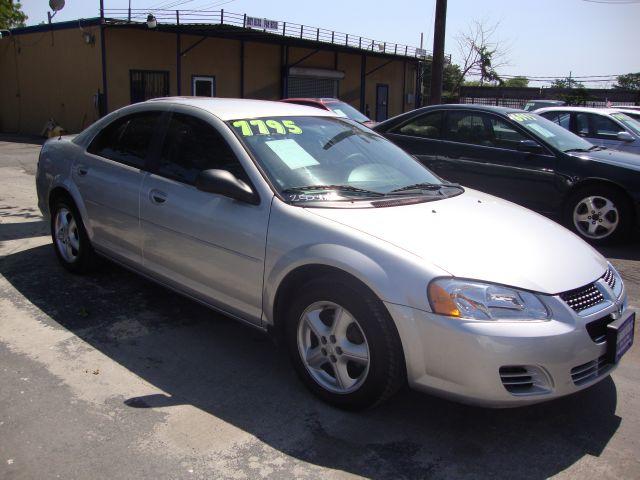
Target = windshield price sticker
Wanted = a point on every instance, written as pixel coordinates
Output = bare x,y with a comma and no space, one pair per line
522,117
249,128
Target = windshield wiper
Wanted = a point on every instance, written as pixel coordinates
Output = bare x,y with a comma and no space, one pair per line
590,149
424,186
342,188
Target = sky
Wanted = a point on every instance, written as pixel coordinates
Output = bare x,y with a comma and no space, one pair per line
544,38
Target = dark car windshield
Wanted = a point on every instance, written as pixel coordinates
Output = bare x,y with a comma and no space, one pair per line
550,132
345,110
328,158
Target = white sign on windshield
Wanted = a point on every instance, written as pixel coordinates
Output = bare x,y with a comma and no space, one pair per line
541,130
291,153
339,113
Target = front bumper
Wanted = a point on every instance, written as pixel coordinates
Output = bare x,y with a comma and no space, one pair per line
478,362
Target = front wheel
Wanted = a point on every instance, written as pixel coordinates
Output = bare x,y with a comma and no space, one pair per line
600,215
344,344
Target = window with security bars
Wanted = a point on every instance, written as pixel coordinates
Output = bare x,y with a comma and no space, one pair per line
146,84
304,87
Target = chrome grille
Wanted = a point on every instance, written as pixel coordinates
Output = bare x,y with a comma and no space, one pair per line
589,371
582,298
609,278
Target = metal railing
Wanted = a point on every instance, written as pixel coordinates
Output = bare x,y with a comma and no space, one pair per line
285,29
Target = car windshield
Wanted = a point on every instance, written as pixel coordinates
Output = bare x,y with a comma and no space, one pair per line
345,110
550,132
311,158
628,122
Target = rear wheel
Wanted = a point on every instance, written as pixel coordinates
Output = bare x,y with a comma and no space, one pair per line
70,240
343,344
599,214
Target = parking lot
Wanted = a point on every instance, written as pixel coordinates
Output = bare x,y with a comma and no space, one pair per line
111,376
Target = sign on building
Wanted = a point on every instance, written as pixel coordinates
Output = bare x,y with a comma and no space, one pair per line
261,23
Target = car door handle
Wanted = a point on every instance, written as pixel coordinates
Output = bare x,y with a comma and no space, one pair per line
157,197
82,170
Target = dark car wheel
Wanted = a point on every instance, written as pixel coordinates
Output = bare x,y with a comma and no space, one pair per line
343,344
70,240
599,214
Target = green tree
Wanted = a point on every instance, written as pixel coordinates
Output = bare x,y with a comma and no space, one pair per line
11,15
567,82
520,82
630,81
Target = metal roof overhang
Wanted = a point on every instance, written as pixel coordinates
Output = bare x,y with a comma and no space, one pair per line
248,34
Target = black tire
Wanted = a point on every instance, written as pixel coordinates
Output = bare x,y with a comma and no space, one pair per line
86,258
386,372
624,214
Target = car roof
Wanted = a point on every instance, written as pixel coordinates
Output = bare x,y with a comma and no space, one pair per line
604,111
319,101
472,106
236,108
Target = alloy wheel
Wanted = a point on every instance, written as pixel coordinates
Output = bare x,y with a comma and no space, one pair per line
596,217
67,235
333,347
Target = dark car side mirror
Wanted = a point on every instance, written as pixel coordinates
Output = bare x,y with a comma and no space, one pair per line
625,136
225,183
530,146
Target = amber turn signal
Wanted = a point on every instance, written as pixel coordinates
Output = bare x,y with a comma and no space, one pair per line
441,301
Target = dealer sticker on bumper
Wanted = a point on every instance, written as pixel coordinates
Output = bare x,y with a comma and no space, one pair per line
620,337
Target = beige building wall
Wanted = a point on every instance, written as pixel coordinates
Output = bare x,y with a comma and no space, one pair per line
310,58
56,74
136,49
262,71
213,57
349,86
49,74
390,74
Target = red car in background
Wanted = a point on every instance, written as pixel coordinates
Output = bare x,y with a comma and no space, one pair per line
340,108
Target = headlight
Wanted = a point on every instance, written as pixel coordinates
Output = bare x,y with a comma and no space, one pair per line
483,301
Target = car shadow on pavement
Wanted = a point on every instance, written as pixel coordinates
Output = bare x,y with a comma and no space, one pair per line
19,230
236,374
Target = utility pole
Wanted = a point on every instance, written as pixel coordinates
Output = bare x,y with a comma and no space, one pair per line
437,66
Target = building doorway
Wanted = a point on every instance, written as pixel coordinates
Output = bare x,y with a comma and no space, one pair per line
382,102
203,86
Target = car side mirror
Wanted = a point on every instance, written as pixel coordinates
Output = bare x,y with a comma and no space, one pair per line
530,146
625,137
225,183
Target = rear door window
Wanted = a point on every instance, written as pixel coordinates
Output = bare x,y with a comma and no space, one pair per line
425,126
127,140
582,125
561,118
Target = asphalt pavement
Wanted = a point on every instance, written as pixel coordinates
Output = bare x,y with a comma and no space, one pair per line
111,376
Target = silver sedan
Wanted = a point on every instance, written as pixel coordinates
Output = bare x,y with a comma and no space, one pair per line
372,270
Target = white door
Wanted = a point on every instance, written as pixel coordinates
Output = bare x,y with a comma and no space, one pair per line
203,86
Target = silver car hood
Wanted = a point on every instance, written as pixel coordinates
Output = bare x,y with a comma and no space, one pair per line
478,236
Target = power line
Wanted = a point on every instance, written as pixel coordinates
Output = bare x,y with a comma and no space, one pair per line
574,77
613,2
